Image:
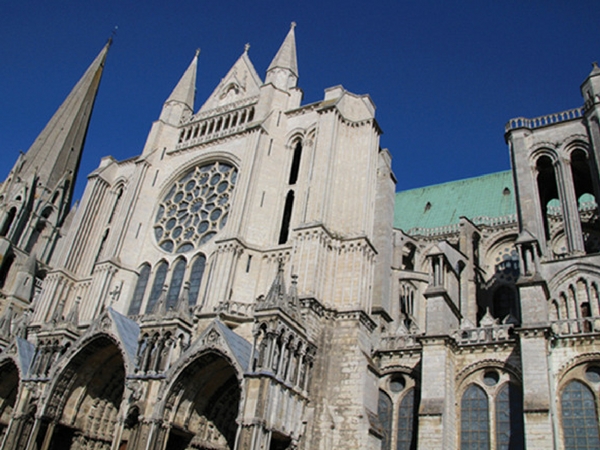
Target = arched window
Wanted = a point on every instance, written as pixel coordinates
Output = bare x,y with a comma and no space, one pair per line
547,188
385,411
196,278
474,419
287,216
584,191
8,222
175,286
5,269
35,235
505,302
407,422
140,290
509,418
295,163
408,256
101,248
116,204
407,303
157,287
579,417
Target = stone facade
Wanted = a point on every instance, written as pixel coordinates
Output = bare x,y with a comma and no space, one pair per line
248,282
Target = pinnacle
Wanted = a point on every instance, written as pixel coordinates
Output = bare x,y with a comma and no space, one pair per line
286,56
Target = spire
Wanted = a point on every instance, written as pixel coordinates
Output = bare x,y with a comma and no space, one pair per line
286,56
185,90
57,150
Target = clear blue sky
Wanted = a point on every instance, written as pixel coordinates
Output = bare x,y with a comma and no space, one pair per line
445,75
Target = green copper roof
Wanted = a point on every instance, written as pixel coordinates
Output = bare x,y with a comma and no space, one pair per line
488,196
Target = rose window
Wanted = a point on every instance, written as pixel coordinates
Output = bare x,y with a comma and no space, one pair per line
195,208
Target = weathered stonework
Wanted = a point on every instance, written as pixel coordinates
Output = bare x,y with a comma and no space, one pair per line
253,281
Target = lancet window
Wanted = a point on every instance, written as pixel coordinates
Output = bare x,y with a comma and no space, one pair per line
287,217
397,411
176,284
491,412
140,290
580,428
295,167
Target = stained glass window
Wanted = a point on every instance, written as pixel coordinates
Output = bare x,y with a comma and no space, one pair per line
579,417
140,290
195,208
406,422
474,420
384,411
175,287
157,286
196,278
509,418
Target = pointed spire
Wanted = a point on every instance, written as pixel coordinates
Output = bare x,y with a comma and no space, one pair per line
286,56
185,91
277,291
57,150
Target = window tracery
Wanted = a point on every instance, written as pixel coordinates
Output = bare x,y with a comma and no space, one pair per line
195,208
491,412
398,412
579,407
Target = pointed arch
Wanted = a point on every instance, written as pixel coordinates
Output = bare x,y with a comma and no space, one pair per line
8,221
86,395
295,166
174,291
160,276
9,387
196,274
140,290
200,411
579,417
287,217
474,418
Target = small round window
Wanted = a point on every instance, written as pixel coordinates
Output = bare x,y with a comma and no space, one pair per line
195,208
491,377
397,383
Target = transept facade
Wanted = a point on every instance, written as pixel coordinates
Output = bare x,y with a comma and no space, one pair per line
252,280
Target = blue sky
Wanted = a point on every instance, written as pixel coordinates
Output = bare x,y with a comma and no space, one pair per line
445,75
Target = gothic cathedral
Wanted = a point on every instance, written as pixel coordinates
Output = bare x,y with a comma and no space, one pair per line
252,280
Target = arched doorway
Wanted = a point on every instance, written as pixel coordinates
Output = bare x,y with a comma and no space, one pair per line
9,385
203,405
86,398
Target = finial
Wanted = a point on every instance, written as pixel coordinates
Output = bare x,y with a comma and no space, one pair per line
246,47
113,34
197,52
293,25
595,65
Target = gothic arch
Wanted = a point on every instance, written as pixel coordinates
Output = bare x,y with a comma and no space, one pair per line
10,383
574,362
202,399
571,273
463,376
217,156
86,395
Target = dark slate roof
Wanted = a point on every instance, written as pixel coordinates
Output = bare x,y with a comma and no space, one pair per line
487,196
128,330
240,347
25,351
